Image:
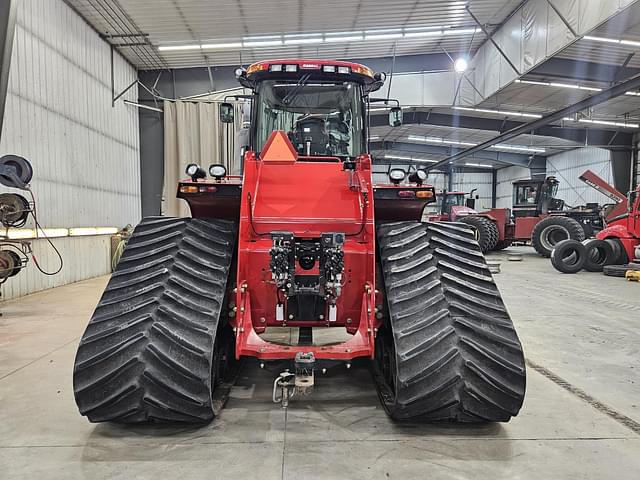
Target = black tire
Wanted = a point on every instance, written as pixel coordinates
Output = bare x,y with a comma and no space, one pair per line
619,253
598,254
486,231
448,350
551,230
502,244
618,270
568,256
147,353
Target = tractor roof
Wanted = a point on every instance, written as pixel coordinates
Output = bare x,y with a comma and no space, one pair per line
318,70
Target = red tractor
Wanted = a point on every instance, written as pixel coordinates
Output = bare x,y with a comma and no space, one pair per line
491,228
302,240
538,216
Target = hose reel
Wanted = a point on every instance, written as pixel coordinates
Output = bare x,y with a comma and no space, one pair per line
15,172
14,210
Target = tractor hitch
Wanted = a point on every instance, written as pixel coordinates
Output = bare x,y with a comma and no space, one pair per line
288,384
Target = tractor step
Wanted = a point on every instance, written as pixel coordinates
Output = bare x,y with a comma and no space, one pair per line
448,350
155,347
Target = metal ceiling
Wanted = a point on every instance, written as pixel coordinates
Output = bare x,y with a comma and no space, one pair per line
175,22
145,25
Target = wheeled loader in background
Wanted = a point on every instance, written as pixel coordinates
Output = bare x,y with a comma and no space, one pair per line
302,239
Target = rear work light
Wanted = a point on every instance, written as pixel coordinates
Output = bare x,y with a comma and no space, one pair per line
424,194
329,68
291,68
275,68
346,70
407,194
188,189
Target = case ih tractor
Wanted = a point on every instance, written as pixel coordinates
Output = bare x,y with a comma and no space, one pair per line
303,239
538,216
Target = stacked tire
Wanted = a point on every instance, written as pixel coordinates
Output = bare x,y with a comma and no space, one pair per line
593,255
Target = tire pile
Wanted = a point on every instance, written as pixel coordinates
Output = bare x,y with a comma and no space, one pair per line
593,255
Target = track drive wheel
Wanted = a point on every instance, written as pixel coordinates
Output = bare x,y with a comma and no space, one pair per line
155,346
448,350
486,231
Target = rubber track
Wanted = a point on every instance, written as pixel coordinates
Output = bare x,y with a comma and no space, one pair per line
146,354
457,355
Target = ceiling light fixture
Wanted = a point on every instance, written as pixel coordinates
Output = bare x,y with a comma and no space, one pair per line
460,65
499,112
482,165
329,37
631,43
568,85
411,159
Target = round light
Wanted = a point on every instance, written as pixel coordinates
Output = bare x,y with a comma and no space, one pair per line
217,171
191,169
460,65
397,175
418,176
240,72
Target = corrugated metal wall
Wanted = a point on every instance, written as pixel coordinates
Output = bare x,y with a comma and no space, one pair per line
465,182
504,189
85,153
568,166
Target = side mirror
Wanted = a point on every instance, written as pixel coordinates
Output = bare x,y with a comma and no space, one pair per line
395,117
226,113
471,203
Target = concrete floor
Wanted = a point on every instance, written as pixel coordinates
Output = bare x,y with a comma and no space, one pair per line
580,419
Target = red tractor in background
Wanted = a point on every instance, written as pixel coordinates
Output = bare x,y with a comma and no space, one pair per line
303,240
537,215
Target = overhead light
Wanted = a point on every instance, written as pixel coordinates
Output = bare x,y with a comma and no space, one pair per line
518,148
481,165
460,65
221,46
410,159
302,39
500,146
461,31
387,34
438,140
500,112
631,43
374,137
569,85
423,33
167,48
329,37
606,122
262,43
343,37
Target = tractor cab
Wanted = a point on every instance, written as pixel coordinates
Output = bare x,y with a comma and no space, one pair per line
450,205
532,198
320,105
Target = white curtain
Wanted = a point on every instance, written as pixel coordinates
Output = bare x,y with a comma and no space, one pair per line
193,134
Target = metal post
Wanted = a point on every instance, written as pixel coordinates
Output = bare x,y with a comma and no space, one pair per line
7,31
113,86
